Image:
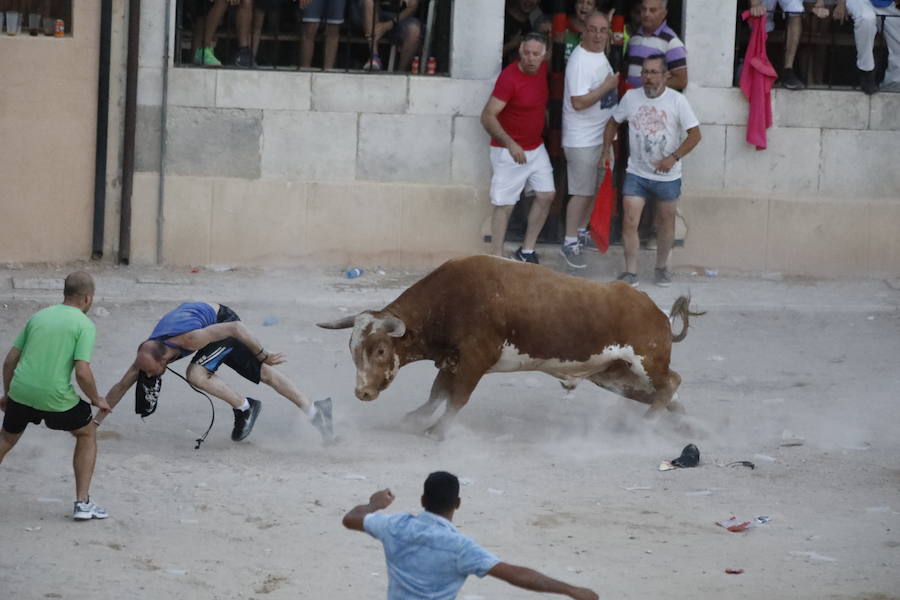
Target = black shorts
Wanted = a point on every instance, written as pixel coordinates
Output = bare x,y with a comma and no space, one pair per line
229,351
18,416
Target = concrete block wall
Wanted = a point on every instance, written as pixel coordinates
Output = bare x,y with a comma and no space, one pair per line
820,200
401,162
288,166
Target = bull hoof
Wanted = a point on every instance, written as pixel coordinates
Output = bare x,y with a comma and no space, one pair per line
434,433
675,407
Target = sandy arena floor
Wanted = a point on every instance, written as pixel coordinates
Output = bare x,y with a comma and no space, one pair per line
568,485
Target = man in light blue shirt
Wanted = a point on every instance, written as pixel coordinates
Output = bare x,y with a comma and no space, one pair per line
429,559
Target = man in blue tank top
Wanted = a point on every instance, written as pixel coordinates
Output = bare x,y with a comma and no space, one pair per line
215,335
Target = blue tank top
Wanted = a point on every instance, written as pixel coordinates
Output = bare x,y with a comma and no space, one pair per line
189,316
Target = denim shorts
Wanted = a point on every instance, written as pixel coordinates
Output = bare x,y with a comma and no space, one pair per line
648,189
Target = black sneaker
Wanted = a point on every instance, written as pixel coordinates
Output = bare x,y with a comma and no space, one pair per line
244,420
790,80
526,258
323,421
244,58
662,277
867,82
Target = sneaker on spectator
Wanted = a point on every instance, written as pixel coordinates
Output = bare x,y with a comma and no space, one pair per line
586,241
790,80
85,511
867,81
373,64
526,258
245,419
629,278
206,57
323,420
650,243
662,277
244,58
573,256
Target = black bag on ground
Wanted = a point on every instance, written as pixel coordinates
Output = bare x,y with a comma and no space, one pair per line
146,394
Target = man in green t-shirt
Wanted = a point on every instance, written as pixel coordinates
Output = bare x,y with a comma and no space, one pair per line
37,383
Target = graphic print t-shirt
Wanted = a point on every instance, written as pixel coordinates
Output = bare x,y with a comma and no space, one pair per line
656,127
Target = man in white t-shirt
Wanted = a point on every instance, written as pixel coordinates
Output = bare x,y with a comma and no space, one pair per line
662,130
590,95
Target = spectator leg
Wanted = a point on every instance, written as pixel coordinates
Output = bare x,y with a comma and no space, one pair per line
7,441
665,231
213,20
499,222
244,20
792,41
537,217
633,206
892,38
577,214
308,43
259,18
368,27
412,37
864,29
332,37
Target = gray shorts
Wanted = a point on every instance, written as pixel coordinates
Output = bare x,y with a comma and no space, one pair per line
583,167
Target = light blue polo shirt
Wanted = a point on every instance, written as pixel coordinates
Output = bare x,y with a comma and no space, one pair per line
427,557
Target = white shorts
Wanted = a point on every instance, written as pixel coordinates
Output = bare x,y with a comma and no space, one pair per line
510,178
788,6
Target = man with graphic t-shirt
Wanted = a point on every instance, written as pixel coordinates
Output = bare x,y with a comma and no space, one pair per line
658,119
514,118
589,97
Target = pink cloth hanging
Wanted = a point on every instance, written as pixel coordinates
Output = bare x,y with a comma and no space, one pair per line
757,77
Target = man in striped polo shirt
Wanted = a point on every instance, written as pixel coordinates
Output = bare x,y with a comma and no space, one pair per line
655,37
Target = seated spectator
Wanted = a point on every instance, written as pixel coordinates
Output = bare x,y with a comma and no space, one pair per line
314,12
793,13
865,15
395,21
204,54
655,37
519,21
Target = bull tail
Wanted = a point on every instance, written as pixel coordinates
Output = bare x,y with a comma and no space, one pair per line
682,309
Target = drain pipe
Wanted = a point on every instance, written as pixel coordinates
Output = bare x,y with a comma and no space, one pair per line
102,131
163,138
131,83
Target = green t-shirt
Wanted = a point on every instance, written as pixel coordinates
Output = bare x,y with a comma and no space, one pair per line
52,340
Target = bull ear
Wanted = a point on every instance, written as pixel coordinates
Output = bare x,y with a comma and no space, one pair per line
394,327
344,323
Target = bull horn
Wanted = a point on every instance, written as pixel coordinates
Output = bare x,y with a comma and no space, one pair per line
394,326
343,323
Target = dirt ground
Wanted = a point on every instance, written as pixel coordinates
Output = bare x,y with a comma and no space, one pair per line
566,484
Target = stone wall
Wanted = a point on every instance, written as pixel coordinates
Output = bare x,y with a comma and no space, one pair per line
280,167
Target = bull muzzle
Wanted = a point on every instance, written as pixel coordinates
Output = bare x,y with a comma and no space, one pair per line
366,394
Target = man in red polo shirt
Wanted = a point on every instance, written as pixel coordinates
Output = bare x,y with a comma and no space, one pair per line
514,118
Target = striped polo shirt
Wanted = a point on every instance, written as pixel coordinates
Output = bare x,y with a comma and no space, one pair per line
662,41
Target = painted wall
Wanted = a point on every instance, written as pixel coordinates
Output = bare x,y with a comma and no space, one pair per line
48,106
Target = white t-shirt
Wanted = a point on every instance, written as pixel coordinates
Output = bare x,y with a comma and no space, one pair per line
656,127
585,72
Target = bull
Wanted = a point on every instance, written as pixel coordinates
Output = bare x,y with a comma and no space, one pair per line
483,314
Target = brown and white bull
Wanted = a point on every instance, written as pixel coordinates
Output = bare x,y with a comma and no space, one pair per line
483,314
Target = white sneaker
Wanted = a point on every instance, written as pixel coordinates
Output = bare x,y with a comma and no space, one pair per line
85,511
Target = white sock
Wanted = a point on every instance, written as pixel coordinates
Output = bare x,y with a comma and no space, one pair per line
582,230
524,251
312,411
245,405
570,241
